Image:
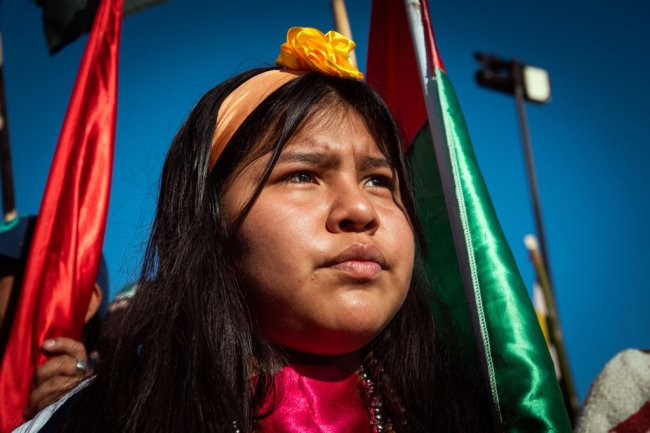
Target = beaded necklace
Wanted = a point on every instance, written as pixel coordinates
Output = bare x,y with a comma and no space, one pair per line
374,403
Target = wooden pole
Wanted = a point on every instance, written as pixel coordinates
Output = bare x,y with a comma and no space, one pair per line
555,335
342,24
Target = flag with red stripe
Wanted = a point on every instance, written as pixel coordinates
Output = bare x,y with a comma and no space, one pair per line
468,259
66,247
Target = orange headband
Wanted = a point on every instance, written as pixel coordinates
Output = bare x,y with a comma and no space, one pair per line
306,49
240,103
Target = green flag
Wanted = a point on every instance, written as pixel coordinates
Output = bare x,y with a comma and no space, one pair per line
468,261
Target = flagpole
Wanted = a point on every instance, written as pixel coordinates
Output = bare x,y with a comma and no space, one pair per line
342,24
553,325
9,212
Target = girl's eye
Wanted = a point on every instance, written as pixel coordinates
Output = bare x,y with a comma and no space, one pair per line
300,177
380,182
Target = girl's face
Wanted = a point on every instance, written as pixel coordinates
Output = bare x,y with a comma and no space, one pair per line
327,251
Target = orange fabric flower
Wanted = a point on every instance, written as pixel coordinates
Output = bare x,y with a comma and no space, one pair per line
308,49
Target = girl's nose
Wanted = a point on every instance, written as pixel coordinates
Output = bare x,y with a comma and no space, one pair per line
352,211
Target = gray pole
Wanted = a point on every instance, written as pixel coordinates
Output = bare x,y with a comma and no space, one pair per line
566,381
517,75
8,198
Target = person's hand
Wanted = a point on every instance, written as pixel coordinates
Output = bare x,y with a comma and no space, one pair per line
67,366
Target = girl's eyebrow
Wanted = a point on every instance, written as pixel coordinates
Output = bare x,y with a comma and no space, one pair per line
330,161
310,158
370,162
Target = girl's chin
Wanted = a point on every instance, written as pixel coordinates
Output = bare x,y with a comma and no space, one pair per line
329,343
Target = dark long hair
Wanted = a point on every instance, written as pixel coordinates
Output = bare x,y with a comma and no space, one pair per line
186,345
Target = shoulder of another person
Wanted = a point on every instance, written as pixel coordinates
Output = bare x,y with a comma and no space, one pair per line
51,417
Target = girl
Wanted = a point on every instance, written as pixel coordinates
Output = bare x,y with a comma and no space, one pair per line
280,290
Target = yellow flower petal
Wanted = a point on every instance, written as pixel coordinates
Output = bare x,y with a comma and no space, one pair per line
308,49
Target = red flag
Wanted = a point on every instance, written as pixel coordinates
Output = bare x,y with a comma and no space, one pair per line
67,244
392,69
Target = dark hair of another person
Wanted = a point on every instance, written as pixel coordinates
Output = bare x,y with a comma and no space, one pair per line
187,348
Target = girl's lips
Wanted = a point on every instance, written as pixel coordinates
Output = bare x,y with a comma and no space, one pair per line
359,261
358,269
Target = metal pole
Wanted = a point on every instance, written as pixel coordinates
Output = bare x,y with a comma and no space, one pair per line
566,382
530,163
8,197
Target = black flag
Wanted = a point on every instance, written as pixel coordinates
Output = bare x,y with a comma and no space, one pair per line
66,20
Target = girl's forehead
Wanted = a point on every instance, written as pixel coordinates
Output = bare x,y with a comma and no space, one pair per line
331,112
332,132
331,122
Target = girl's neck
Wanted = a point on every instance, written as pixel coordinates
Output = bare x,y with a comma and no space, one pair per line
349,362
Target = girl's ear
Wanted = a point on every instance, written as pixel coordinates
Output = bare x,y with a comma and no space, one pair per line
95,302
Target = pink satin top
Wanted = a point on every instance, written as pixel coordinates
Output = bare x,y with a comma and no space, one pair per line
316,399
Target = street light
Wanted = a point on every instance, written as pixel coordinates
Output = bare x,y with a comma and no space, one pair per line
503,75
511,76
531,83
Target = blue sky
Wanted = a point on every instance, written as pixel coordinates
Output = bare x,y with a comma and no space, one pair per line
590,144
